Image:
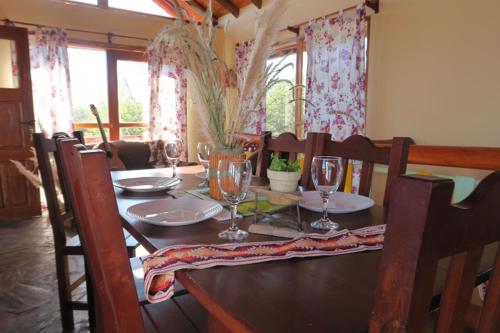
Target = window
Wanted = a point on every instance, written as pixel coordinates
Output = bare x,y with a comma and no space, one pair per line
286,100
139,6
90,2
280,102
143,6
116,82
133,99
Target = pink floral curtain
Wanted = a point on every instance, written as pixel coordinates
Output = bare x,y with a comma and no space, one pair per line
336,78
257,121
168,83
336,75
50,80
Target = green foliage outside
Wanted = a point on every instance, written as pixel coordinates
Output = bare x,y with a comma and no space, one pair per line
281,164
280,110
130,112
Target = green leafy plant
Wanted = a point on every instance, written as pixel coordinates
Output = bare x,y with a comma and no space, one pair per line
281,164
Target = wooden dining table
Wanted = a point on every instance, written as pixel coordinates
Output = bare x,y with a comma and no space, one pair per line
323,294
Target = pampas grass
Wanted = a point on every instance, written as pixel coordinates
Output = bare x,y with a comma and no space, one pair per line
223,122
31,175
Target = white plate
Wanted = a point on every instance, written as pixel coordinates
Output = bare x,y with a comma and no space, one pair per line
339,202
146,184
175,212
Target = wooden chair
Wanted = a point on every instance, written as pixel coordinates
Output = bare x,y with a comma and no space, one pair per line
60,216
95,206
361,148
288,146
422,228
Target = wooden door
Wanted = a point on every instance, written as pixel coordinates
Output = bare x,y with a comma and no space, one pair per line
18,198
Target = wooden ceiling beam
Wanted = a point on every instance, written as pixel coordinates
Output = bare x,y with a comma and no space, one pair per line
227,4
257,3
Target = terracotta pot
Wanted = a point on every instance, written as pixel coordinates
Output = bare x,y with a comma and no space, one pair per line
225,155
282,181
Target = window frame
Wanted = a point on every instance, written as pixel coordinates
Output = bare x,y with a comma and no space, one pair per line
297,47
112,57
104,4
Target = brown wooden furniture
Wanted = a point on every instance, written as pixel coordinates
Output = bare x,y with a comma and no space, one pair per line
361,148
18,197
423,228
336,293
288,146
118,309
53,178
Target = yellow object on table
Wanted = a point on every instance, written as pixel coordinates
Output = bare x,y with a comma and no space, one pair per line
348,178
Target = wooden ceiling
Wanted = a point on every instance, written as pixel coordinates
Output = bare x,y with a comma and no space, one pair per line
219,7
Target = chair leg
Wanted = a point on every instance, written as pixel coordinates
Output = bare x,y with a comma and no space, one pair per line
63,285
90,299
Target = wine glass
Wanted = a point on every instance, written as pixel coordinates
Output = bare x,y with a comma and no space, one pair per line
234,179
203,150
173,150
326,173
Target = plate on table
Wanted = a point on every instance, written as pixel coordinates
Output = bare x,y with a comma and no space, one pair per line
339,202
146,184
175,212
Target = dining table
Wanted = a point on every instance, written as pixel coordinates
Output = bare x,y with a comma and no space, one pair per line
321,294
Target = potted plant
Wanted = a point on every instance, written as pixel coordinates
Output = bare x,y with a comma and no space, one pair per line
284,175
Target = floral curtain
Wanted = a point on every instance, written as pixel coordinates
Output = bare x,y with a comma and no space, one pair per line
50,80
336,77
257,121
168,83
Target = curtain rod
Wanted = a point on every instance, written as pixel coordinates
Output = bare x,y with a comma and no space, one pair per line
108,34
373,4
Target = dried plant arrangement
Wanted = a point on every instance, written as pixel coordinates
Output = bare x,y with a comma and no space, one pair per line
31,175
223,120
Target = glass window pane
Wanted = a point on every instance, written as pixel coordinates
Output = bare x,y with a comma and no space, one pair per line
9,75
143,6
133,91
91,2
134,134
280,106
93,135
89,83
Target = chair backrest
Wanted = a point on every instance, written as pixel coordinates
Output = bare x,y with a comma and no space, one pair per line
287,144
53,177
361,148
99,223
422,228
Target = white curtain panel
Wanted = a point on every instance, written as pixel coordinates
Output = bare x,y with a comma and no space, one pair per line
257,121
336,75
168,83
50,80
336,78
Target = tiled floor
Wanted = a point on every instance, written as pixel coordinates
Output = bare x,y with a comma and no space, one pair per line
28,287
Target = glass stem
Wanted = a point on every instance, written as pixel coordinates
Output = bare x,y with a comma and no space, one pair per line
233,208
174,172
325,208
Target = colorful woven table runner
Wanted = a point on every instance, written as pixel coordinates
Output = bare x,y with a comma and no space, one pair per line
159,267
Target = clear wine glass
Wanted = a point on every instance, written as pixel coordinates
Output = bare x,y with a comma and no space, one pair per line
326,173
234,179
173,151
204,150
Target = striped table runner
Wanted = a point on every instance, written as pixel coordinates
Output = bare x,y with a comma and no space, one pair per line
159,267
